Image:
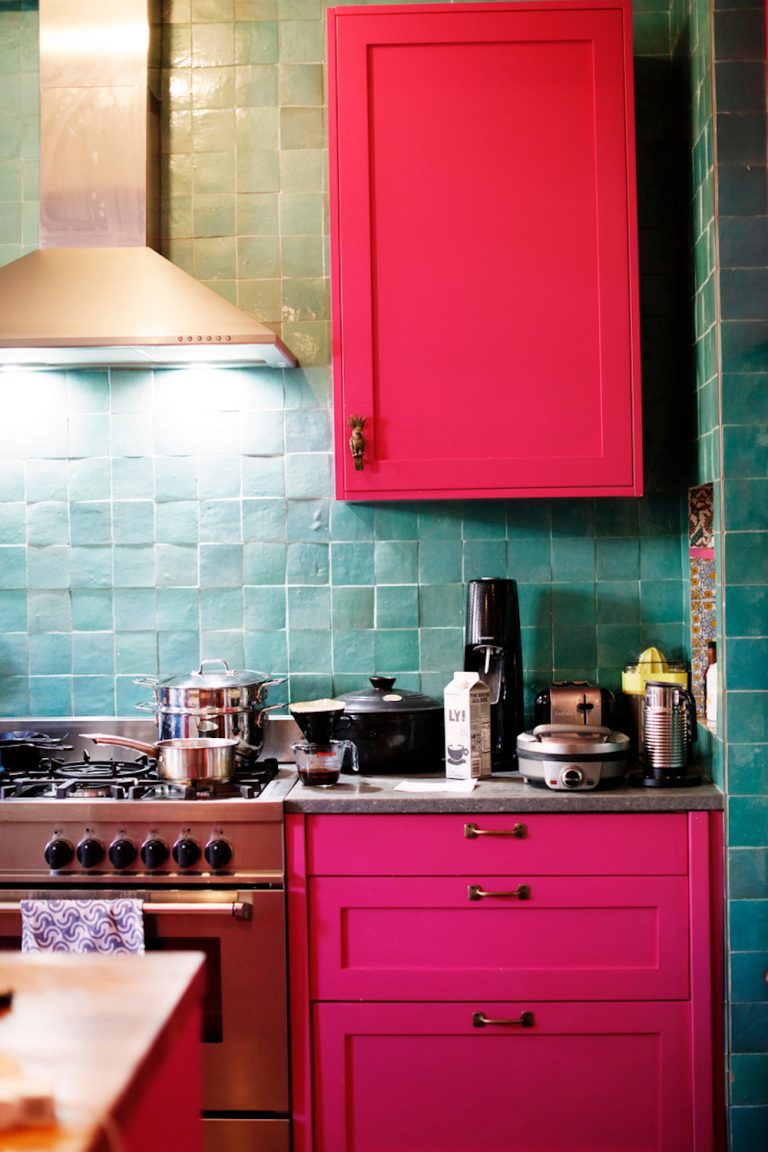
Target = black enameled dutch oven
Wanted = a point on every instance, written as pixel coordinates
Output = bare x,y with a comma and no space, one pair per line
396,732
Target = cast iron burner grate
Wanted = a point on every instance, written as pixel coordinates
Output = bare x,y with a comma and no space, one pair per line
133,780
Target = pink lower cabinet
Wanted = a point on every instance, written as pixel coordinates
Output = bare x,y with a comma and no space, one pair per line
586,1077
537,984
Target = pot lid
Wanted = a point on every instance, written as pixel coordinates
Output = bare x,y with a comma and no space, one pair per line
383,696
223,677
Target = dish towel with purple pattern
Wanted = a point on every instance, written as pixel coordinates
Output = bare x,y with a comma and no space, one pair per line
82,925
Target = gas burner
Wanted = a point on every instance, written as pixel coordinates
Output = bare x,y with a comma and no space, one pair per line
87,769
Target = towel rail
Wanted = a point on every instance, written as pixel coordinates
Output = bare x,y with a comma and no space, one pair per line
238,909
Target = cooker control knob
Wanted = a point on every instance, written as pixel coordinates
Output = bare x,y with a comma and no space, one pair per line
59,853
572,776
154,853
218,853
90,852
122,853
186,852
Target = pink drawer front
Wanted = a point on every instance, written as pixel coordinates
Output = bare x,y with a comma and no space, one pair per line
575,938
597,1077
590,844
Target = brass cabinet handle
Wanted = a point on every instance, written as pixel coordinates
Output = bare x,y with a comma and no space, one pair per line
518,832
524,1020
522,892
357,440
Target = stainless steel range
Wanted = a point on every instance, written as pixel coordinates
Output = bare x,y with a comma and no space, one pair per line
209,867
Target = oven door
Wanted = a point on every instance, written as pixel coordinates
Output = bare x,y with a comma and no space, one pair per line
245,1020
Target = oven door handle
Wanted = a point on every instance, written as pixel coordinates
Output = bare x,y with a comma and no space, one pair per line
237,909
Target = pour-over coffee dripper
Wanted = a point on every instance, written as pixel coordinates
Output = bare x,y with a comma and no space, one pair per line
319,719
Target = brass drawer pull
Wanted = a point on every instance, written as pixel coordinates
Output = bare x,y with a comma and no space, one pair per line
480,1020
518,832
522,892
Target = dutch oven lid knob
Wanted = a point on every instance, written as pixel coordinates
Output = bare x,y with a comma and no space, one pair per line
383,683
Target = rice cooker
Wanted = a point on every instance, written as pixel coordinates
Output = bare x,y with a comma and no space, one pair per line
570,759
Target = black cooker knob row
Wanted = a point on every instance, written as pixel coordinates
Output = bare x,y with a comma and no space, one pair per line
186,852
90,852
59,853
218,853
122,853
154,852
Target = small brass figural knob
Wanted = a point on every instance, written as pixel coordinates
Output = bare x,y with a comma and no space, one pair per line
356,440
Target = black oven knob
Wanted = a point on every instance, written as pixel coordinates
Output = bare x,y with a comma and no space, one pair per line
186,852
218,853
59,853
90,852
122,853
154,853
572,776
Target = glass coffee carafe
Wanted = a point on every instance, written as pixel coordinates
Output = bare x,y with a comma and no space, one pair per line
319,757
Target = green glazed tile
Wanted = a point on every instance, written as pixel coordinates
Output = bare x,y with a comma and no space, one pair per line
352,608
177,565
92,653
442,649
176,522
47,567
309,650
264,563
256,85
48,696
132,479
396,562
397,606
573,559
264,608
136,654
177,608
307,519
223,644
352,563
176,650
396,650
133,522
13,567
309,607
93,692
484,558
220,521
50,653
307,563
221,608
91,567
267,651
15,618
134,609
354,652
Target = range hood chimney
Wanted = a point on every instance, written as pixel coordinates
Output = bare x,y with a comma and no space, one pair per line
96,292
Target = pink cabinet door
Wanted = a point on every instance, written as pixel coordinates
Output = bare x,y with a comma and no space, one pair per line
590,844
483,247
556,938
580,1078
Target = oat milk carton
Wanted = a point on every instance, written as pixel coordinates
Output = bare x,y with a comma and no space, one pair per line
467,727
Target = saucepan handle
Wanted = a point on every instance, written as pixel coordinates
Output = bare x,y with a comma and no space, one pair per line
120,741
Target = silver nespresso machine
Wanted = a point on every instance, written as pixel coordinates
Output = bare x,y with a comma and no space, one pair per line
492,648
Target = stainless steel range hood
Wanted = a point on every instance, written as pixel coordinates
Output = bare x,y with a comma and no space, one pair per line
96,292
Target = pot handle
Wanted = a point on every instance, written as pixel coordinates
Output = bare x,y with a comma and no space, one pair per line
262,711
146,705
120,741
223,663
147,681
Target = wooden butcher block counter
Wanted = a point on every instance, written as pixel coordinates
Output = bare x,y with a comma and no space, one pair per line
116,1039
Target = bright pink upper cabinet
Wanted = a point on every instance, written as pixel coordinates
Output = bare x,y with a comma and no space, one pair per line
484,252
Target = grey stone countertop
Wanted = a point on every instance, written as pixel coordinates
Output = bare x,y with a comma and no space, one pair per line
499,793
